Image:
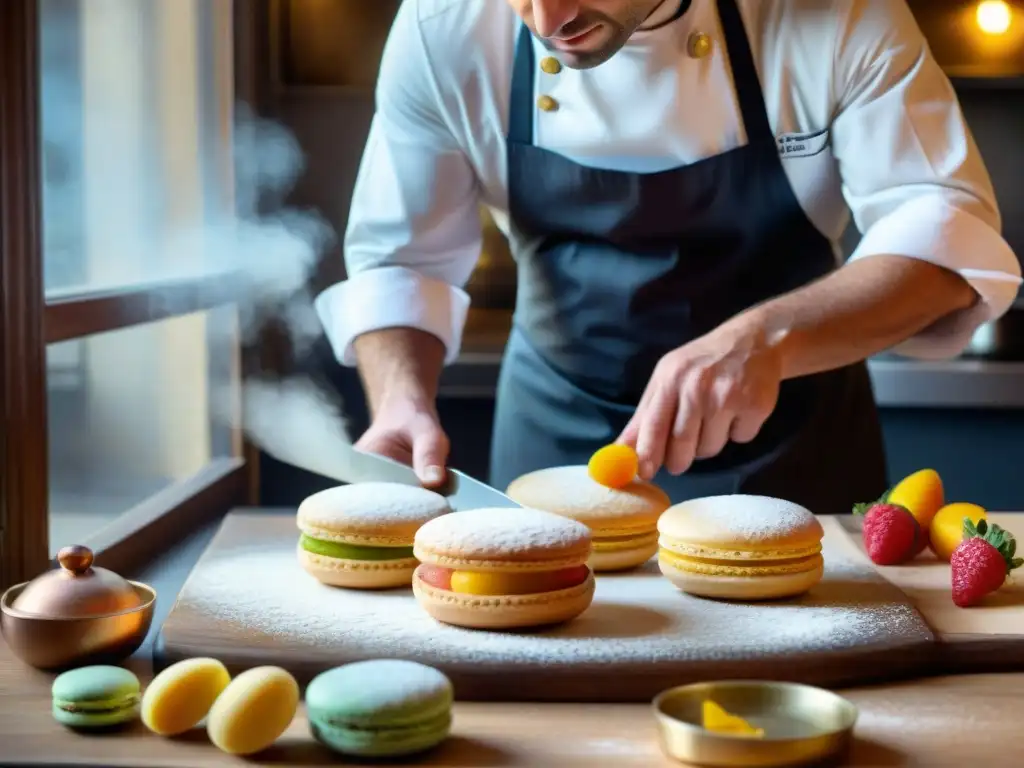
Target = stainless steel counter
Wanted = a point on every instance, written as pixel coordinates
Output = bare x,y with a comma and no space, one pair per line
960,383
898,383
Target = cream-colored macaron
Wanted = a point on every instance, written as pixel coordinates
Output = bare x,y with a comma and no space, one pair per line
503,568
253,711
361,535
740,547
623,521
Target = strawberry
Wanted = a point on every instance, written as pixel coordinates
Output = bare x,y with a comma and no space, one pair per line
982,561
891,534
887,498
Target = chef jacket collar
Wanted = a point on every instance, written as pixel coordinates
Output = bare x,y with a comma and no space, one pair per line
658,19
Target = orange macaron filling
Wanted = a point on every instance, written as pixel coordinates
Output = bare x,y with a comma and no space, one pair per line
490,583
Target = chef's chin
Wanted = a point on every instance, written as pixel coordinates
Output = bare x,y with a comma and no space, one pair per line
607,41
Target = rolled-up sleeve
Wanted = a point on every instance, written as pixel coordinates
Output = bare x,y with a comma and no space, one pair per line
912,173
414,232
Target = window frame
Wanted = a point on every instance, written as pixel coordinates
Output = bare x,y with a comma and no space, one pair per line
30,320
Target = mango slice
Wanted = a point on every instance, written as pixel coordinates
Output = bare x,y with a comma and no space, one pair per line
718,720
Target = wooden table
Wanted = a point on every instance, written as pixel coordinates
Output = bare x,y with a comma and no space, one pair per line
951,721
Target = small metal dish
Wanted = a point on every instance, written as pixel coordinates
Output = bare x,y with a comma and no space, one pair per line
76,614
55,642
802,724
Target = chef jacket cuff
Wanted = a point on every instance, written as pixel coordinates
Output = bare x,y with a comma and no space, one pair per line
933,230
392,297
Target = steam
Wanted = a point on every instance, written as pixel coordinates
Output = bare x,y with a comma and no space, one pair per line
273,255
138,188
269,255
298,424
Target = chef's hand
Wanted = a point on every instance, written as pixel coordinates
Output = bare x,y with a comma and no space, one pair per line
720,387
411,433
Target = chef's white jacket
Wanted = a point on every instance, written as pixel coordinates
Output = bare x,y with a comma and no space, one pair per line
889,146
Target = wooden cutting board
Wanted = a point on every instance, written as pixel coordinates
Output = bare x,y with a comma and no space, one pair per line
248,603
985,637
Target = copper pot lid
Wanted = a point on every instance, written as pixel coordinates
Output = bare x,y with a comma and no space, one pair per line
77,589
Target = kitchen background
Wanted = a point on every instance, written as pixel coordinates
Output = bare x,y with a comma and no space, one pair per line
311,65
964,417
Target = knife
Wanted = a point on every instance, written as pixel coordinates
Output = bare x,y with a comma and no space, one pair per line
296,424
463,492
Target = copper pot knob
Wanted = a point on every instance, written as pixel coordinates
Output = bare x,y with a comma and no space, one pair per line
76,559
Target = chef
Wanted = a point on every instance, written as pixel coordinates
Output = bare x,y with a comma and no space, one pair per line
674,177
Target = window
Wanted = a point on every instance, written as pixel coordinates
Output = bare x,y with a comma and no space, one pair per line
133,414
119,329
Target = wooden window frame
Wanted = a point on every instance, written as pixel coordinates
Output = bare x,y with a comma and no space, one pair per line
29,320
74,314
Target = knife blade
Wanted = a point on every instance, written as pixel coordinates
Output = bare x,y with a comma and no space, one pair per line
297,425
463,492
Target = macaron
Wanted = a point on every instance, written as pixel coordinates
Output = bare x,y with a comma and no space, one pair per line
361,535
740,547
380,708
503,568
623,521
253,711
96,697
182,695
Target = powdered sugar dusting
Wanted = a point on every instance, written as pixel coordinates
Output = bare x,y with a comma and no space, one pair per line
572,491
372,506
505,532
738,517
637,619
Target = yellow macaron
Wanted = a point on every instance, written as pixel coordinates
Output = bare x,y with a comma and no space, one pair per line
182,695
253,711
740,547
623,521
360,536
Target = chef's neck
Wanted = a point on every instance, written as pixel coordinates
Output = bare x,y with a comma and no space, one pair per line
664,13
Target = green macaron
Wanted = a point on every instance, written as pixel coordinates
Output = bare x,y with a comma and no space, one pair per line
381,708
96,697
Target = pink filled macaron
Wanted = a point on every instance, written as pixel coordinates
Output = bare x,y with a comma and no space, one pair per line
503,568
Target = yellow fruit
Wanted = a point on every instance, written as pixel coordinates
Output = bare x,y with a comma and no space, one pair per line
717,719
477,583
947,528
921,493
614,466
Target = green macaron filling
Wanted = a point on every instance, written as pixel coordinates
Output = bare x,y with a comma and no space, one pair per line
98,707
345,551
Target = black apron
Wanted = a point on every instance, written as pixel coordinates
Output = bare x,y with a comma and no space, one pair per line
615,269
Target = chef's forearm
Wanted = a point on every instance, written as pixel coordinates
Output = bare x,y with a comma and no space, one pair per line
864,308
399,364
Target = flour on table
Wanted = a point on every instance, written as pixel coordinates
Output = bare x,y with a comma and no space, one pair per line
636,618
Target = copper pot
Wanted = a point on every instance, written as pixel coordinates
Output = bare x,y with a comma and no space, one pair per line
76,615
